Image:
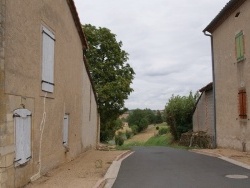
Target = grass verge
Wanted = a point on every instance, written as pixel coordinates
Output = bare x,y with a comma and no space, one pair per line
160,140
157,140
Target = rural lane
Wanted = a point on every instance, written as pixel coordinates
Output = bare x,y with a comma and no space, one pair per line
162,167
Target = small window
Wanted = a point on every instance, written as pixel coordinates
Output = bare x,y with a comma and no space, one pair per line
66,130
242,104
239,46
48,60
22,120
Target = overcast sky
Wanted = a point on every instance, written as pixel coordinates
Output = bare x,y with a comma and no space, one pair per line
164,39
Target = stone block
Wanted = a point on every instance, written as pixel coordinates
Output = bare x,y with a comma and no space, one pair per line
6,140
3,185
3,129
7,149
9,159
28,103
3,177
3,140
10,127
2,111
13,103
2,161
11,139
11,177
10,117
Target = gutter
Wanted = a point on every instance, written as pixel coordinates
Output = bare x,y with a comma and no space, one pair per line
214,98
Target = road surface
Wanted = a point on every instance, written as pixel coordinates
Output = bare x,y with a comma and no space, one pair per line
162,167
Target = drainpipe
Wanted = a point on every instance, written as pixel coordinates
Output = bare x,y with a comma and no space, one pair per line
214,98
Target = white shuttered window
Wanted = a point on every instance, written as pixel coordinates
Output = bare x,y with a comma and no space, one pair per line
48,60
66,130
22,120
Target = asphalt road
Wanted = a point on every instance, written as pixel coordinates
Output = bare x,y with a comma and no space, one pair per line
161,167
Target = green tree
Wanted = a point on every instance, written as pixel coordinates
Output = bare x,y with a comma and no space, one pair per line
111,75
141,118
179,112
158,117
150,116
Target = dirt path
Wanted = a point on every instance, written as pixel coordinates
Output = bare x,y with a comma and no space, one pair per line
143,136
83,172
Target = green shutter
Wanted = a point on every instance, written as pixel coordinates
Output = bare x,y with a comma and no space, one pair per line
239,43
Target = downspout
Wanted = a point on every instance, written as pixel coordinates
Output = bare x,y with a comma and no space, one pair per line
214,98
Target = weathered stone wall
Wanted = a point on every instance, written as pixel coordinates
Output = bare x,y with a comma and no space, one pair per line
6,124
203,117
197,139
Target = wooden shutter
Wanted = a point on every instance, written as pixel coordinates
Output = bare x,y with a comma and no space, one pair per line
22,119
66,130
239,46
48,61
242,104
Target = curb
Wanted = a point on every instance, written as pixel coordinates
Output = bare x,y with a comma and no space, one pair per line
235,162
123,155
111,174
238,163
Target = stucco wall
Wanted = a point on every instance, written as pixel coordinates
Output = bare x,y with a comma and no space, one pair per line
231,76
203,115
22,70
89,129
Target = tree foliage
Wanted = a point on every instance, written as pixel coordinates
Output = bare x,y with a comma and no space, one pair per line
111,75
141,118
158,117
179,112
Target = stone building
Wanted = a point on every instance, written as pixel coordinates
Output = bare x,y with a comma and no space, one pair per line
230,38
48,109
203,118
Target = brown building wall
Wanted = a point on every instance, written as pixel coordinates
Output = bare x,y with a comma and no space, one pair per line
230,77
20,86
90,116
203,118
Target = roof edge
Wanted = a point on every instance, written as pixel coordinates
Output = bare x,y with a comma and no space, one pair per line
208,87
228,9
83,41
77,23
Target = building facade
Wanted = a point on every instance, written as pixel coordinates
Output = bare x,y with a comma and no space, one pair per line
229,32
203,118
48,109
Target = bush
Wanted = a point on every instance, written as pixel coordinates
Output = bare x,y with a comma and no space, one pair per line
179,113
128,134
119,140
157,128
163,130
134,129
141,118
106,135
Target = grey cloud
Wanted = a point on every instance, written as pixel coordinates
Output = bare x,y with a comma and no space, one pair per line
164,38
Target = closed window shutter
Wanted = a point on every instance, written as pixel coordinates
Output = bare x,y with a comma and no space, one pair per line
239,45
66,130
22,119
242,104
48,61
